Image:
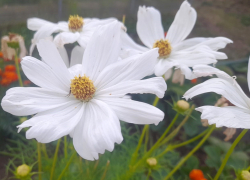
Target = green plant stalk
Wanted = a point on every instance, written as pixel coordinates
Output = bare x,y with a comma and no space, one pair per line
224,162
39,161
176,130
145,129
45,151
146,140
170,148
155,146
149,174
183,160
105,171
67,166
65,147
18,70
55,159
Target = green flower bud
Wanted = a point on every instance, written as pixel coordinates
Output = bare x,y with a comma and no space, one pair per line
152,162
23,171
182,106
245,175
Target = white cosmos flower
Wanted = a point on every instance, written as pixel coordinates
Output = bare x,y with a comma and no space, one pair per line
77,29
86,100
174,50
237,116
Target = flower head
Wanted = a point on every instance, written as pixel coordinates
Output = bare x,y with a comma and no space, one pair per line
196,174
9,45
86,100
76,29
23,171
173,48
75,23
152,162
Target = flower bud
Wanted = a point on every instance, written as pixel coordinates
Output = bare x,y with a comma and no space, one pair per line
23,171
151,162
182,106
245,175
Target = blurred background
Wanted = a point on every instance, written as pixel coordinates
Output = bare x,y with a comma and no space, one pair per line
228,18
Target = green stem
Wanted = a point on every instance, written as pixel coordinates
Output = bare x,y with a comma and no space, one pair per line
146,140
55,159
65,147
174,132
105,171
182,161
18,70
67,166
149,174
39,161
45,151
182,144
224,162
145,129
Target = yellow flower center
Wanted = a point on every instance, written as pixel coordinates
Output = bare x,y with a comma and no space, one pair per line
82,88
75,23
164,48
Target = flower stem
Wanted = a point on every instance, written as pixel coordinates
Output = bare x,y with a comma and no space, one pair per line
39,161
18,70
67,166
105,171
182,161
224,162
176,130
149,174
55,159
169,148
65,147
145,128
45,151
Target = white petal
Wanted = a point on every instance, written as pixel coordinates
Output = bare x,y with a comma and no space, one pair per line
76,56
230,91
21,101
183,24
100,128
36,23
63,26
206,70
194,57
102,50
178,77
230,116
135,112
149,27
63,52
155,86
163,66
213,43
185,70
50,55
133,68
168,74
53,124
42,75
248,74
66,38
45,31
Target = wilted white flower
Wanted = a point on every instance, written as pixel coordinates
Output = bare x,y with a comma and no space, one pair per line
9,52
237,116
86,100
77,29
174,50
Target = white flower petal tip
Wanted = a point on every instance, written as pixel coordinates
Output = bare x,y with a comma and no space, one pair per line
149,26
230,116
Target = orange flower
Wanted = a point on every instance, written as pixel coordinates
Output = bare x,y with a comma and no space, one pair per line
12,76
5,82
194,81
196,174
10,68
1,54
1,72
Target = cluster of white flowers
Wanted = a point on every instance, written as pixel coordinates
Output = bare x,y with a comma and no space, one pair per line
85,97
